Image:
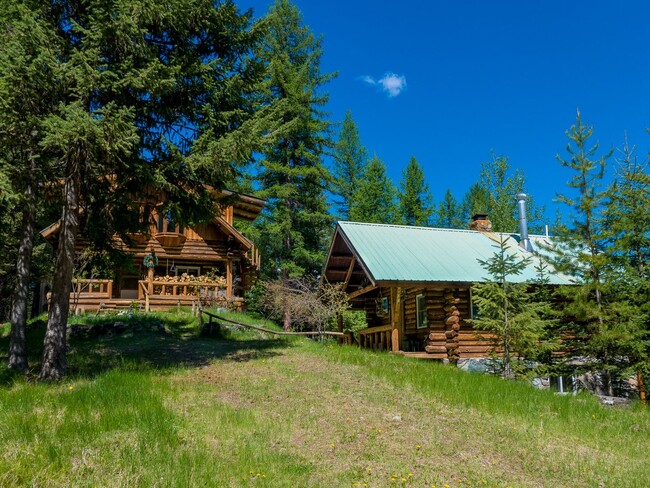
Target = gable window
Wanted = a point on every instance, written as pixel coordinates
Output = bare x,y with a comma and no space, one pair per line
166,223
421,311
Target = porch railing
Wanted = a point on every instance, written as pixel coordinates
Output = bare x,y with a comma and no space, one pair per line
199,289
92,288
377,338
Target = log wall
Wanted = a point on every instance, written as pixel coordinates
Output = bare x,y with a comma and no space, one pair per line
449,334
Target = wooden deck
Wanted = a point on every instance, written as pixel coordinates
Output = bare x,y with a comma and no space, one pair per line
97,294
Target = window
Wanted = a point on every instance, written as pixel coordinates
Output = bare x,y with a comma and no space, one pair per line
563,384
166,223
421,311
190,270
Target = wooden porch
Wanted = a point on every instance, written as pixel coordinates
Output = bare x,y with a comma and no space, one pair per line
152,294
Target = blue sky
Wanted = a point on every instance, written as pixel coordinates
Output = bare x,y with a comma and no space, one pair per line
467,79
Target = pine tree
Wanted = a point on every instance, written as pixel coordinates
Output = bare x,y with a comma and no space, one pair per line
414,198
475,201
295,224
349,163
149,95
450,214
508,309
584,241
375,196
627,276
28,94
494,194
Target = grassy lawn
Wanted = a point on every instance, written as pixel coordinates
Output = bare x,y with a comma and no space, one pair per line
169,408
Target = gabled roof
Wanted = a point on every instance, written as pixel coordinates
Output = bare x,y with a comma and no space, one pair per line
406,254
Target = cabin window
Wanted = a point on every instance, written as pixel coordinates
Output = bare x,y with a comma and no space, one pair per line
563,384
190,270
421,311
166,223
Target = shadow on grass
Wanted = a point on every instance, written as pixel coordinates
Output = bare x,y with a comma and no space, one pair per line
147,342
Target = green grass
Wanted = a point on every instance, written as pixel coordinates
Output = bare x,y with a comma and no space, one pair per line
152,408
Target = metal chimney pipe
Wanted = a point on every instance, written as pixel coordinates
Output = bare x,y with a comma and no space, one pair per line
523,222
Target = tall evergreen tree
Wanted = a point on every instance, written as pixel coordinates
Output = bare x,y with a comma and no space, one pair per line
414,198
627,275
583,239
375,196
509,309
294,227
450,214
28,95
150,95
349,162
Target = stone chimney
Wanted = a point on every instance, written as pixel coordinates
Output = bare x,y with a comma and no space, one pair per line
481,223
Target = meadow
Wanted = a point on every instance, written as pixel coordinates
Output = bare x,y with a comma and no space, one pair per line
159,405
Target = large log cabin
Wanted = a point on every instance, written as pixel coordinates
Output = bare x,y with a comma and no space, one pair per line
174,265
414,283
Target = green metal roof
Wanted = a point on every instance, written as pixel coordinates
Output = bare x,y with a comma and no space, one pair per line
420,254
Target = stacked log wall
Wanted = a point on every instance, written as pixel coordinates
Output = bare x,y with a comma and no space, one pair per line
439,337
449,333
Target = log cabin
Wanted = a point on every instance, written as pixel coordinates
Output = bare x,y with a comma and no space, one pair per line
415,283
174,265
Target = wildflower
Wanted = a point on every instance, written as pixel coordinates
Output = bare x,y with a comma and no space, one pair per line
410,475
369,470
378,431
418,447
69,387
403,479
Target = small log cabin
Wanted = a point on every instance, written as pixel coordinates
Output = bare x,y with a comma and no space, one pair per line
415,284
175,265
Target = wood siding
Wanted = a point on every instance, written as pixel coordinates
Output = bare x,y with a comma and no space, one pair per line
465,342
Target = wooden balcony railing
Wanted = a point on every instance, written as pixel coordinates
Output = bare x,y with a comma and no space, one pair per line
377,338
203,289
92,288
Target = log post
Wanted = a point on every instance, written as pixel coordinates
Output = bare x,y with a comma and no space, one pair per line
397,318
229,279
452,325
150,280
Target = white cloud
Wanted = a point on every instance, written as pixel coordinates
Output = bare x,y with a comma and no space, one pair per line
391,83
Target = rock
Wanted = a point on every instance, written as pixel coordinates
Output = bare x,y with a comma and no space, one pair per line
119,327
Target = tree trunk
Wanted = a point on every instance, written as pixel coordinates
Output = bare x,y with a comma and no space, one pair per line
54,360
17,340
